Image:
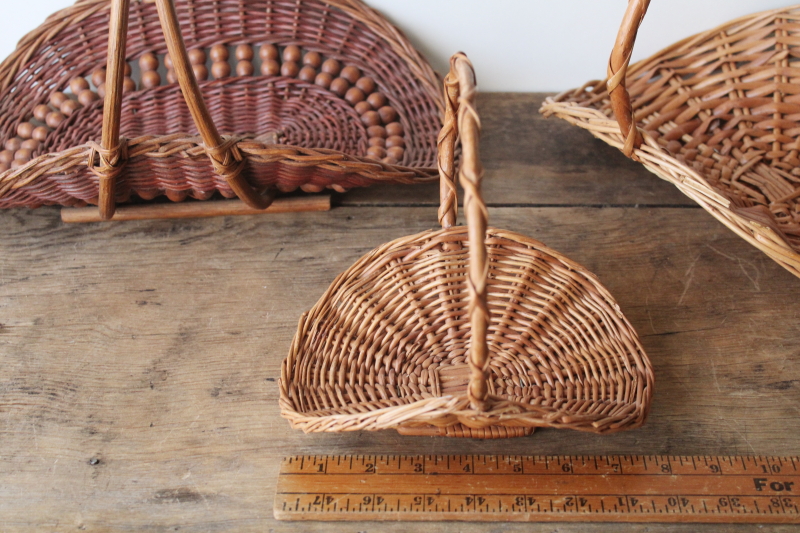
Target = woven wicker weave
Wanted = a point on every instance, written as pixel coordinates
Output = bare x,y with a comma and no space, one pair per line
717,114
257,132
465,331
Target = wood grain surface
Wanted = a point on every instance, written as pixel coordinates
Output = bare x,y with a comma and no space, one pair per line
139,360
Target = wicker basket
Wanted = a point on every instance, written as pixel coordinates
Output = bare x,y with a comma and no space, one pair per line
465,331
717,114
342,100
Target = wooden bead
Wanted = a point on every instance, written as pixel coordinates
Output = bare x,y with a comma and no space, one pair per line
244,52
197,56
13,144
219,53
148,62
376,131
307,74
371,118
15,164
77,85
58,98
245,68
69,107
4,167
332,67
40,112
87,97
376,100
268,51
54,119
6,157
311,187
340,86
312,59
362,107
40,133
128,85
323,79
23,154
151,79
127,69
395,140
292,53
25,129
396,152
376,152
377,141
354,95
389,160
221,69
173,78
98,76
290,69
101,90
168,61
200,72
395,128
351,74
388,114
270,67
367,85
30,144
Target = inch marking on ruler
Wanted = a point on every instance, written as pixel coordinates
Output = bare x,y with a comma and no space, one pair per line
623,488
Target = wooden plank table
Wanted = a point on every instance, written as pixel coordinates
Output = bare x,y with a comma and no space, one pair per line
139,360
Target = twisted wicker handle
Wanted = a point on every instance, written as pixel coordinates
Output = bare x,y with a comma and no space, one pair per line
226,158
460,94
617,69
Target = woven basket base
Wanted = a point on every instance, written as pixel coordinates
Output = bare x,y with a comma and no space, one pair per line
460,430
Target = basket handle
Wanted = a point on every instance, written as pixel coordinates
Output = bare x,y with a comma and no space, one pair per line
462,120
225,156
617,69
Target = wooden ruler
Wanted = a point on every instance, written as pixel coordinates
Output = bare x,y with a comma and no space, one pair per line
622,488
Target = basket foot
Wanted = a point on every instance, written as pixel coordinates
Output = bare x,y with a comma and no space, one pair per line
212,208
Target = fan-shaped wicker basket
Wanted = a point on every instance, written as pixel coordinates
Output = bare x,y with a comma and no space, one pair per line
717,114
335,77
465,331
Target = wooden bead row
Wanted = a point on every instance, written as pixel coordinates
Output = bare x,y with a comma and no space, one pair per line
345,81
386,135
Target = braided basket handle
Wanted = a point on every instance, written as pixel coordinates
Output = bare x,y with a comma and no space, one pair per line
462,120
226,158
617,69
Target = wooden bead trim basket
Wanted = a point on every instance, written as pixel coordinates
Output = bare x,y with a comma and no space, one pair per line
716,114
465,331
284,94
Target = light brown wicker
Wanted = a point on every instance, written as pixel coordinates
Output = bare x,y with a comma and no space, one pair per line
342,100
717,114
465,331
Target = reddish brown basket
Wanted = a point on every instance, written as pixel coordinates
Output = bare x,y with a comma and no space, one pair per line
716,114
465,331
269,119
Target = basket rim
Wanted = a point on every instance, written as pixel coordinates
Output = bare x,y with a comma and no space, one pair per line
32,42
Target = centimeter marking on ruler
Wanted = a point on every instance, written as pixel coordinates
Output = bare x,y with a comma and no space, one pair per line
540,488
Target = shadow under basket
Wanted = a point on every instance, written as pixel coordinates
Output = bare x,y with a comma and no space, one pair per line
465,331
308,94
716,114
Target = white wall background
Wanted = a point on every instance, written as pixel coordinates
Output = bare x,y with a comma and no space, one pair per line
516,45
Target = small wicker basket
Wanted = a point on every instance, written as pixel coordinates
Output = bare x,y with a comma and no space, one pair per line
716,114
342,100
465,331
